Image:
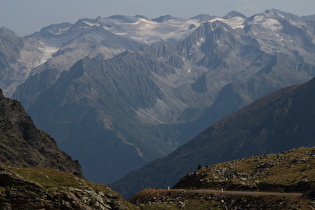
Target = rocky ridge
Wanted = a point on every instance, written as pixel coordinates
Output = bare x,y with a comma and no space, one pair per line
242,184
289,171
39,188
193,199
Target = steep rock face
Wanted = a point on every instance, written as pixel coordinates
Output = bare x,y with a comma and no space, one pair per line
10,48
23,145
280,121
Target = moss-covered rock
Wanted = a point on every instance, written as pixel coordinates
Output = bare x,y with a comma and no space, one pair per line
290,171
40,188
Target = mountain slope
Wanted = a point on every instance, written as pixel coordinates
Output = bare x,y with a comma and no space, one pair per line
11,46
258,173
138,106
280,121
105,111
23,145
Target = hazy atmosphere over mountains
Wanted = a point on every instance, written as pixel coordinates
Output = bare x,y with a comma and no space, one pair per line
26,17
120,91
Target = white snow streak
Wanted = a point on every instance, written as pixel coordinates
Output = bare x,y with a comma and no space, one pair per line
272,24
91,24
236,22
148,31
47,52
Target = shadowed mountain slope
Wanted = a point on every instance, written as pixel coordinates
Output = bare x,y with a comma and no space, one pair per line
279,121
23,145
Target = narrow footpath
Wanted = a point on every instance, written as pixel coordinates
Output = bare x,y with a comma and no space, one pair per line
234,192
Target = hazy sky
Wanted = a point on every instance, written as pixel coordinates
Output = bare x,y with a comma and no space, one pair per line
27,16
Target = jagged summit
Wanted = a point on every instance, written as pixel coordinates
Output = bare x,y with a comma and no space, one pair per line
203,17
163,18
233,14
281,13
142,16
124,18
54,30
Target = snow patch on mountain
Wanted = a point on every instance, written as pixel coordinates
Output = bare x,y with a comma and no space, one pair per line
272,24
268,23
258,19
91,24
59,31
200,41
235,22
47,53
148,31
164,112
95,36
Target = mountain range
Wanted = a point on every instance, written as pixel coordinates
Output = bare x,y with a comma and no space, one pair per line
115,113
57,47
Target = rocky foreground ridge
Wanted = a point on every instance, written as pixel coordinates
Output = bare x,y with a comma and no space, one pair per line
196,200
290,171
242,184
38,188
